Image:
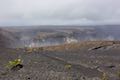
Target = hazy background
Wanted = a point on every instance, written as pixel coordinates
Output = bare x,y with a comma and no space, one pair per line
59,12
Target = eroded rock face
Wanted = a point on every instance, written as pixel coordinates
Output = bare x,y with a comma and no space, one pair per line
7,38
3,40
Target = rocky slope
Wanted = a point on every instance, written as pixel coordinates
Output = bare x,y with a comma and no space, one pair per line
96,60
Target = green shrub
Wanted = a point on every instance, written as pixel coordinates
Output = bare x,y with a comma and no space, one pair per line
13,63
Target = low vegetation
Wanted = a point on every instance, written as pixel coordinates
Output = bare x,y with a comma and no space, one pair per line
68,66
104,77
118,73
13,63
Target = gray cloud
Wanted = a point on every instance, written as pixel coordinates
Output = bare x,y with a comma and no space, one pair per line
27,12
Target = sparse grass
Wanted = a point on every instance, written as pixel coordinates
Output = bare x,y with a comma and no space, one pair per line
29,50
77,46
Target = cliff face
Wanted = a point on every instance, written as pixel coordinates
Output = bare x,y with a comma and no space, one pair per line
7,38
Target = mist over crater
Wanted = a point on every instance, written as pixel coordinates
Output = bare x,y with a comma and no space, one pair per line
39,36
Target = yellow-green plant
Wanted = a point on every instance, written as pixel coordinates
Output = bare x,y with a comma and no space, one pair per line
68,66
104,77
118,73
13,63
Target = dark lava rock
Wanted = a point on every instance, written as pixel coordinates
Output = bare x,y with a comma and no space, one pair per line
96,48
110,66
17,67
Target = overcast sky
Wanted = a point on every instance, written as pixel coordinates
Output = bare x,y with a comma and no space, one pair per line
75,12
